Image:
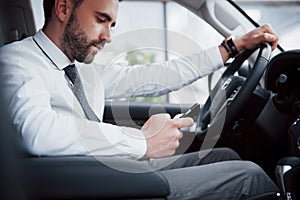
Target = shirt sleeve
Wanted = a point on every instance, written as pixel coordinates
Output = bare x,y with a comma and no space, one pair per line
159,78
43,130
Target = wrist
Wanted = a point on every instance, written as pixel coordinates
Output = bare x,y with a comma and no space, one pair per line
229,44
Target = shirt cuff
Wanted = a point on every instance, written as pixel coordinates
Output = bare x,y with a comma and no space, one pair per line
216,58
137,142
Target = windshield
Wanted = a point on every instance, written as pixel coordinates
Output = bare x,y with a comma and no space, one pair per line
283,15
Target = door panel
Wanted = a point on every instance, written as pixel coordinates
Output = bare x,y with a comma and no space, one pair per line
136,114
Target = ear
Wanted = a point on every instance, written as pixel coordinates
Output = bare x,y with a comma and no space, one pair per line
62,10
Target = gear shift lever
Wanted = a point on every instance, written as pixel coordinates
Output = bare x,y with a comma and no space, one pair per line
280,172
287,174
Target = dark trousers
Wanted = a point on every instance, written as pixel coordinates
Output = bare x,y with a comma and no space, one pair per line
213,174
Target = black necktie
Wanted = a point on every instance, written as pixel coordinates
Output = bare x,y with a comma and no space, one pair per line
72,73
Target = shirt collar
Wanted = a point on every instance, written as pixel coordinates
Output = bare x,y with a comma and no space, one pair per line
57,56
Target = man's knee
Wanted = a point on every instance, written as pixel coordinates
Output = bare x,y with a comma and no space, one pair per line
254,171
229,154
252,168
257,180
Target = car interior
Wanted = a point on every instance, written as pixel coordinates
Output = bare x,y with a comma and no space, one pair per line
258,115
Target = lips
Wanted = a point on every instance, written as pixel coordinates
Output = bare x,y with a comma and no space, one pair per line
100,45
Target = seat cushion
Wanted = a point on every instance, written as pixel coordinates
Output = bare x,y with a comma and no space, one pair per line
83,177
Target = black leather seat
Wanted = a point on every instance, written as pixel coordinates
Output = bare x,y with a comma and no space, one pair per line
74,177
83,177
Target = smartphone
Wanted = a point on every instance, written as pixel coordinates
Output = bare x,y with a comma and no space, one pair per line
193,112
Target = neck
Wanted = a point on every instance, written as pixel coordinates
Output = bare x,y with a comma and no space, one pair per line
55,34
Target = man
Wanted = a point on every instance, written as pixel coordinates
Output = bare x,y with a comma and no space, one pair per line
41,94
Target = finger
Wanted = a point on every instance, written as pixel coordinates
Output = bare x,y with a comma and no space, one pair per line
271,35
183,122
273,39
268,28
161,116
177,144
180,134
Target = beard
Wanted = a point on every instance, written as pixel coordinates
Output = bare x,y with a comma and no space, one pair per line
75,42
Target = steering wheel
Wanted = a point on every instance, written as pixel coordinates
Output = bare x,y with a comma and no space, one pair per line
231,93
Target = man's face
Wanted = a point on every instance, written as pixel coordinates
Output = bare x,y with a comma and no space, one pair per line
88,29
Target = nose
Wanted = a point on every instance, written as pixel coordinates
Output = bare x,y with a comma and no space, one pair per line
105,35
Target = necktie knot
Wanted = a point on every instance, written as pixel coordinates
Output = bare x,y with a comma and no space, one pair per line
71,72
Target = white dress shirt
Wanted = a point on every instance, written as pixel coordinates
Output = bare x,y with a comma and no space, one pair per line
50,120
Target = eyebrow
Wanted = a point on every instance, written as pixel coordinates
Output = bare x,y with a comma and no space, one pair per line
106,16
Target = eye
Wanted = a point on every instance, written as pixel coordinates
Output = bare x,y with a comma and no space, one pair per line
100,20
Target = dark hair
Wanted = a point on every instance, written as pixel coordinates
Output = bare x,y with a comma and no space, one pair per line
49,4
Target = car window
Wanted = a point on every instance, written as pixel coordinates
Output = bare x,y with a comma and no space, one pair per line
201,33
154,31
284,16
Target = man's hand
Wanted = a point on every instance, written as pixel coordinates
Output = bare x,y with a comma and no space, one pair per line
261,34
162,134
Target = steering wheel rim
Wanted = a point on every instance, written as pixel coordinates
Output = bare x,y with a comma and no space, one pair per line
221,92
